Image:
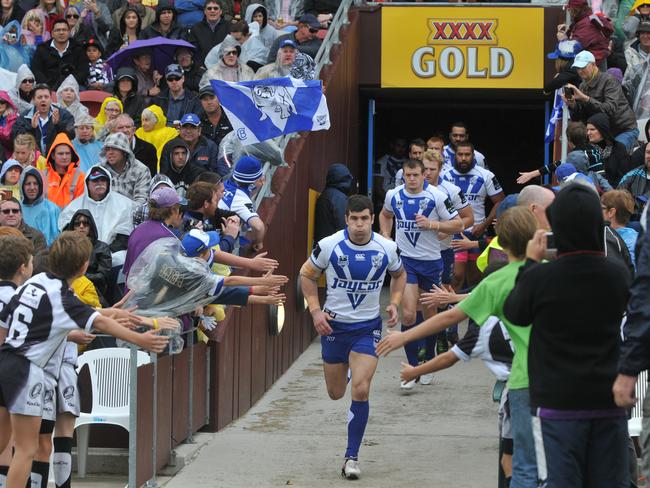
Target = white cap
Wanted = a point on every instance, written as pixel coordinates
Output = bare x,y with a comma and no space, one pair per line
582,59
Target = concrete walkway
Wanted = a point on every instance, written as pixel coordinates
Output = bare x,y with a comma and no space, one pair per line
441,435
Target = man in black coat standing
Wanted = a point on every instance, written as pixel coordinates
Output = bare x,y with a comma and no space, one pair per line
331,204
209,32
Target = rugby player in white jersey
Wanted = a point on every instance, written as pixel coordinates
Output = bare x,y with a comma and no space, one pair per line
355,261
420,211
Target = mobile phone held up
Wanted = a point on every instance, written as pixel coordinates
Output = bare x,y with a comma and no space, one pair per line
568,92
550,242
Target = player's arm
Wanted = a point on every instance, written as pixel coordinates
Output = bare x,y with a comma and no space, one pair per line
397,285
467,216
479,229
149,340
258,230
309,275
439,322
440,362
385,223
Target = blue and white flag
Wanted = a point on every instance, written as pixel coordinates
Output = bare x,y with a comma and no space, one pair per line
556,114
263,109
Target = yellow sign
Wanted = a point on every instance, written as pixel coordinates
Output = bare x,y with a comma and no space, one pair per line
462,47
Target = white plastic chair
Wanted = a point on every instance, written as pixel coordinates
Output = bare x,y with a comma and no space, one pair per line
634,424
109,378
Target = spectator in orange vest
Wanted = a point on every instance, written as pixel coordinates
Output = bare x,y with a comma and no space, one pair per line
64,181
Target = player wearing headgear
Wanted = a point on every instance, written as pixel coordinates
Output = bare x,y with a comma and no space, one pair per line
355,261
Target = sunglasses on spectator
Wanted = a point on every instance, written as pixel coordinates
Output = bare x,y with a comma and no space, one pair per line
3,102
313,31
213,8
7,211
28,80
173,78
83,222
72,16
230,53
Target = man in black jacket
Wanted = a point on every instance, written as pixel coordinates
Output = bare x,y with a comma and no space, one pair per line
53,61
304,37
209,32
575,304
331,204
176,100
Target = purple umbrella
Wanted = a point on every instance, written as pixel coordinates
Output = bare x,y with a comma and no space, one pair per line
162,52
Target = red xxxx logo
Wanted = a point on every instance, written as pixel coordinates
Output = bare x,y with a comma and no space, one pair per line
475,31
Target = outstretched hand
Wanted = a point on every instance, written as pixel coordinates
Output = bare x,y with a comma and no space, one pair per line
262,264
393,340
393,315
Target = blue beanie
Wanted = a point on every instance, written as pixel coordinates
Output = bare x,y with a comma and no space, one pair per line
247,170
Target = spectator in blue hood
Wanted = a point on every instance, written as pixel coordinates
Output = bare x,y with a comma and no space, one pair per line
38,212
331,204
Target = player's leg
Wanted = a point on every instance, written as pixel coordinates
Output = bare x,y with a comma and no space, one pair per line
335,349
6,447
472,271
409,319
25,429
67,401
41,465
336,379
431,275
460,268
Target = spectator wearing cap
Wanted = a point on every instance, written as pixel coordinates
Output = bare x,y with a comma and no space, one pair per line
87,147
284,61
564,53
164,220
591,30
176,100
125,90
205,33
203,152
181,171
128,176
637,182
229,67
165,24
214,121
100,74
638,52
601,93
246,178
305,38
111,211
143,150
192,71
11,215
38,212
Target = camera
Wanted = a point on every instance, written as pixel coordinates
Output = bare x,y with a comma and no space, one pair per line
11,37
568,92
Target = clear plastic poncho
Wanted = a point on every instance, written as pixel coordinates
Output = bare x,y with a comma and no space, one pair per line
165,282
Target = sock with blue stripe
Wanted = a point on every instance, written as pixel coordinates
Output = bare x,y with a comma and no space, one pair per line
411,348
357,421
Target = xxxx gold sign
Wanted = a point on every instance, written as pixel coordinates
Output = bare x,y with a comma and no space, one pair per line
462,47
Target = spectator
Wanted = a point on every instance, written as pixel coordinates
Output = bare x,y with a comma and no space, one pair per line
304,38
11,216
25,152
387,166
283,62
21,93
565,73
247,177
9,177
87,147
283,12
176,101
165,24
332,202
229,67
99,264
96,15
105,121
635,81
44,120
143,151
323,9
100,75
126,91
54,61
601,92
127,29
202,200
591,30
38,211
141,212
638,155
64,180
68,97
203,152
146,15
148,79
192,72
128,176
214,121
457,134
571,389
253,51
34,31
639,12
79,30
257,12
618,207
616,160
154,130
638,51
53,11
111,211
8,116
205,33
181,171
10,11
637,182
14,54
616,59
165,215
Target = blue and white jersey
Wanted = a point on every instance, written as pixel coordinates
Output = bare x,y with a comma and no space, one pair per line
237,199
449,158
413,242
458,200
355,275
477,184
